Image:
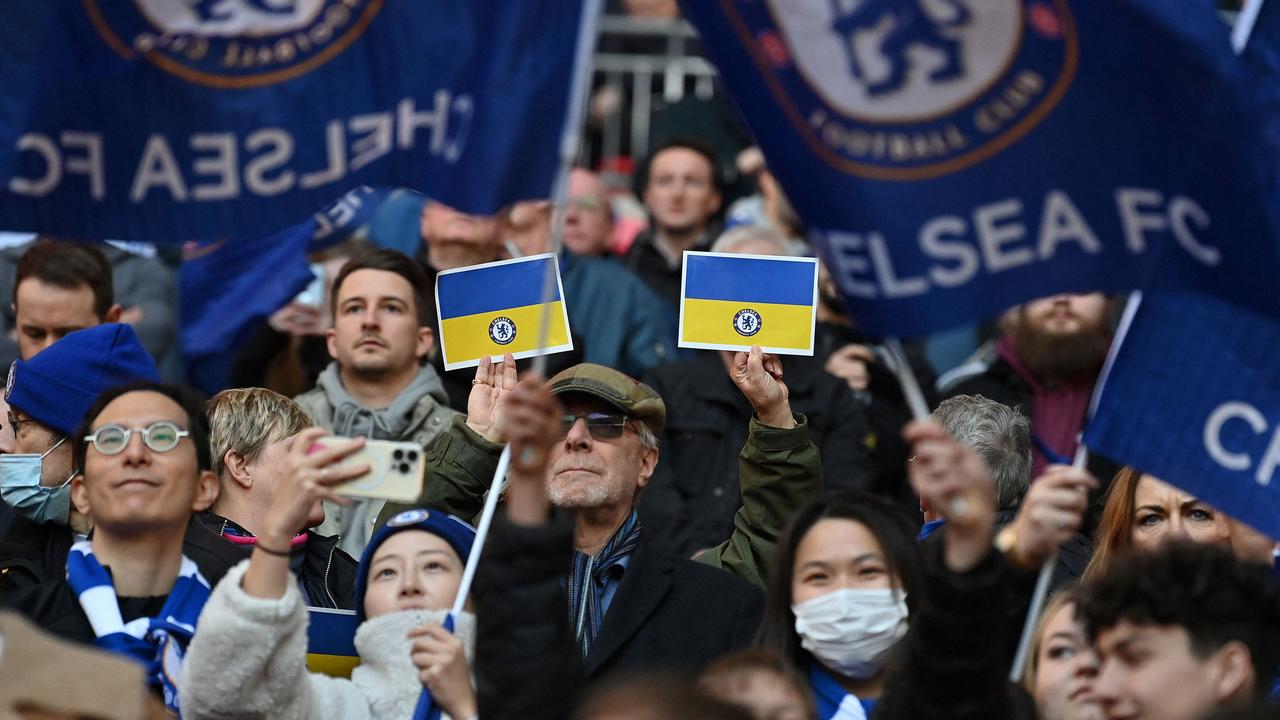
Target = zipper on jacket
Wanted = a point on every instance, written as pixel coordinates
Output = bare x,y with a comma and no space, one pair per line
327,566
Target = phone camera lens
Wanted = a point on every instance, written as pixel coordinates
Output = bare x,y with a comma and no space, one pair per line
398,454
403,468
413,456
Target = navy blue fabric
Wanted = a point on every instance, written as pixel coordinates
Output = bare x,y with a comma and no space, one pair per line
932,212
219,130
1192,398
59,385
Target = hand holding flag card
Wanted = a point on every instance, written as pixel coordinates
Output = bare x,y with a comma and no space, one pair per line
495,308
731,302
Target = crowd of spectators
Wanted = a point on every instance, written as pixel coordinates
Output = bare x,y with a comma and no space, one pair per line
682,534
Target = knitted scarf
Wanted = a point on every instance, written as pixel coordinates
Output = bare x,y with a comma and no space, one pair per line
351,419
586,582
158,643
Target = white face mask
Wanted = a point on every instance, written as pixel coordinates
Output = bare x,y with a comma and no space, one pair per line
852,631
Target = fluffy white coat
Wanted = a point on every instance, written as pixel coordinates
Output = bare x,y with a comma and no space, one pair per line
249,660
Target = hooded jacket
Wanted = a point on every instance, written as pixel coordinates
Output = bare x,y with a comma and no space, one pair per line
419,419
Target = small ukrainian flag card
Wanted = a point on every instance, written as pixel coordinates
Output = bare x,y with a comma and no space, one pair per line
731,302
331,641
497,308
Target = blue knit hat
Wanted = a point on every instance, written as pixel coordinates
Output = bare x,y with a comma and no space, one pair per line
59,385
459,534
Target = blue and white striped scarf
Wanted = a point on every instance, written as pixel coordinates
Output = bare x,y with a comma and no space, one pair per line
157,643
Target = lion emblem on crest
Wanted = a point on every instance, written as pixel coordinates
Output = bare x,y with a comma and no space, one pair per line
911,25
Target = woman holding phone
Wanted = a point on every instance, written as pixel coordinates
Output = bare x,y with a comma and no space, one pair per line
248,657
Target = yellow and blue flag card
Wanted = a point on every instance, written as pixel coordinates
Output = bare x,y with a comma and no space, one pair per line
496,308
331,641
731,302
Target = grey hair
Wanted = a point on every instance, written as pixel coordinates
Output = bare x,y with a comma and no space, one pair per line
647,438
732,239
999,434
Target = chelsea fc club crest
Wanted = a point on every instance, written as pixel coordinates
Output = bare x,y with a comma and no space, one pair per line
231,43
747,322
911,89
502,330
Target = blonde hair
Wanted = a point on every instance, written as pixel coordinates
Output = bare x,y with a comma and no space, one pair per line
244,420
1051,608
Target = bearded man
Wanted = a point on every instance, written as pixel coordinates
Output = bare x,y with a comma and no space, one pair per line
1046,364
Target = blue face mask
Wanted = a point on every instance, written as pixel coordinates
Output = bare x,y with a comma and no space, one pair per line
21,489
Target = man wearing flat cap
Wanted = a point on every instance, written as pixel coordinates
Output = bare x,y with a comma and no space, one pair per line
633,605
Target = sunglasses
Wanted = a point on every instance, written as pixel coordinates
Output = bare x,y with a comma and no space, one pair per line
602,426
160,436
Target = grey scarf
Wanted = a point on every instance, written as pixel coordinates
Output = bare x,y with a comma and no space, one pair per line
351,419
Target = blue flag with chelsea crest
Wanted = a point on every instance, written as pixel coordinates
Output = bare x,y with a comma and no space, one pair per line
176,120
953,158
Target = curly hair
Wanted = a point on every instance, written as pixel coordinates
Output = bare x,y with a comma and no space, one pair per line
1201,588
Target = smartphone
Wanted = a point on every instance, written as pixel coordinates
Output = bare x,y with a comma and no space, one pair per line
396,469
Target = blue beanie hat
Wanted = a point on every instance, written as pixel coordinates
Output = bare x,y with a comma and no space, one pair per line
459,534
59,385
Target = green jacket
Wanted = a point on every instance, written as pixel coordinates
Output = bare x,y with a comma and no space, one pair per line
779,470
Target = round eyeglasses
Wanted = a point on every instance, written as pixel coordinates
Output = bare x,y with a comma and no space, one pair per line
160,436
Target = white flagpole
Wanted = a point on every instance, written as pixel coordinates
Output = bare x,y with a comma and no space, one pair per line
1041,592
568,152
482,531
569,142
1245,21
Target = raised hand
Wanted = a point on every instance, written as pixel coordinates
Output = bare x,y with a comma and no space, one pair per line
953,480
1051,513
295,319
759,377
485,404
849,363
533,427
308,478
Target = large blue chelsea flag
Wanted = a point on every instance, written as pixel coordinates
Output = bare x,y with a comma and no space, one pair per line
955,157
171,120
1192,397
